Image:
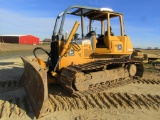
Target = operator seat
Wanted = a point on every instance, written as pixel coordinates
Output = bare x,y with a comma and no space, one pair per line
90,34
111,33
100,42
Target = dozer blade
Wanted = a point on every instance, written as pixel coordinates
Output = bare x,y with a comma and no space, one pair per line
34,80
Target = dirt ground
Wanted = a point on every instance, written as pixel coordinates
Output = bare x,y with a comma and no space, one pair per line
138,100
6,47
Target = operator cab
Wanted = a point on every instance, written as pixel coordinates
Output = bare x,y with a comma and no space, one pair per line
99,26
102,26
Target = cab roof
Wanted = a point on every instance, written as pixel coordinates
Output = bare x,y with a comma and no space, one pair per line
94,14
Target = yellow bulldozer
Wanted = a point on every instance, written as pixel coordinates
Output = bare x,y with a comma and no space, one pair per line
86,64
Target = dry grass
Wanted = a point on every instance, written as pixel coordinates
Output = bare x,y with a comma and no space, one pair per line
152,51
7,47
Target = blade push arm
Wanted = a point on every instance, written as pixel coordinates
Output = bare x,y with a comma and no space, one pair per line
74,29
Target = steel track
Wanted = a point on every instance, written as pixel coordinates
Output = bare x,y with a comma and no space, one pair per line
69,74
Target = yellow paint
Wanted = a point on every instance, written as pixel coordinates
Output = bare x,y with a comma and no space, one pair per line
115,46
65,47
42,63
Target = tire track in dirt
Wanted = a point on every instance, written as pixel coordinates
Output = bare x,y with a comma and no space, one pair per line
107,100
14,107
20,106
147,81
60,102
